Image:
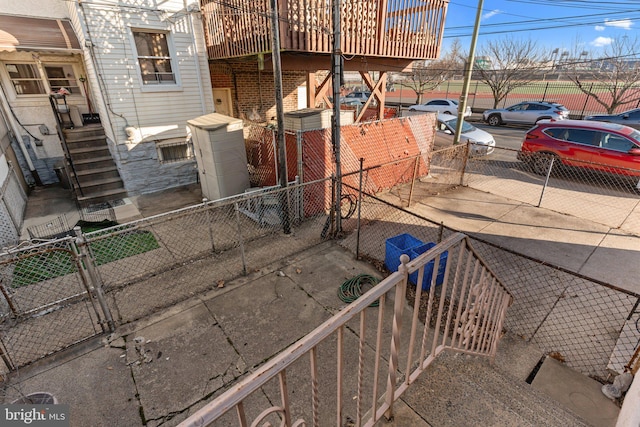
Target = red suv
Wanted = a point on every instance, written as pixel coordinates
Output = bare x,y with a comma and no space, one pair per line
600,146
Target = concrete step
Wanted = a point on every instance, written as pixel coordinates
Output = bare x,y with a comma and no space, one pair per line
93,163
461,390
88,153
102,196
84,132
89,174
89,184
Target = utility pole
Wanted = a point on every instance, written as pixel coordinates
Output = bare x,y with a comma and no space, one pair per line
336,78
277,82
467,75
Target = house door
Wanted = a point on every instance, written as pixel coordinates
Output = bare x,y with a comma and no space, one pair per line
222,101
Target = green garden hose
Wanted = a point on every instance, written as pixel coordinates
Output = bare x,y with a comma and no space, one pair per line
351,289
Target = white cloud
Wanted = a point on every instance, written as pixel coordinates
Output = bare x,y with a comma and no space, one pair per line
625,24
601,41
599,27
493,13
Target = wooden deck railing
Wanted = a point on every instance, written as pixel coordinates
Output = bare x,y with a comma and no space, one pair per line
410,29
325,374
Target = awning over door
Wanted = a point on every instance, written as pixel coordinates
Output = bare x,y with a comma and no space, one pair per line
36,34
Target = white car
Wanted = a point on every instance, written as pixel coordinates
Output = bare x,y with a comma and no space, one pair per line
442,106
482,143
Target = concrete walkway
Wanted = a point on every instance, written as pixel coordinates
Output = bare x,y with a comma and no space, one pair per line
186,355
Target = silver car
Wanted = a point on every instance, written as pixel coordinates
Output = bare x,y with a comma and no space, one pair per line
526,113
629,118
482,143
442,106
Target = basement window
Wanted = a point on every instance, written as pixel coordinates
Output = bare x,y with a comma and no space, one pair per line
174,151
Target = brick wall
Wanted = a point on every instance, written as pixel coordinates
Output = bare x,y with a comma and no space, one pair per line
253,90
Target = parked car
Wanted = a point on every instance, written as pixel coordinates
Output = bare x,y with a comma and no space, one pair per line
354,102
526,113
629,118
605,147
482,143
442,106
361,95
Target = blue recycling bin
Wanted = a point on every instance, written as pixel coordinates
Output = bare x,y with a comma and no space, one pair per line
396,246
428,269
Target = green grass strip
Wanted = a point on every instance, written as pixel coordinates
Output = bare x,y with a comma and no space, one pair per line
49,265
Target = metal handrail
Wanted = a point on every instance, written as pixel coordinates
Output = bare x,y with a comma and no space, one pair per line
474,327
63,141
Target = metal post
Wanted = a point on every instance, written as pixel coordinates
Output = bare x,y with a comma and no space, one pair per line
462,105
93,278
546,181
277,80
413,181
544,95
586,101
359,210
475,93
336,75
240,240
464,162
299,155
7,297
398,307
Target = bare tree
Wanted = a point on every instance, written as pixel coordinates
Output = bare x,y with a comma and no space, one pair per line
427,75
514,63
613,79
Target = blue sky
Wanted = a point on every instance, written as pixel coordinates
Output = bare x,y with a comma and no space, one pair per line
563,24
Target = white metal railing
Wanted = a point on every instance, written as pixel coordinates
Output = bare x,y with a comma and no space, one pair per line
465,313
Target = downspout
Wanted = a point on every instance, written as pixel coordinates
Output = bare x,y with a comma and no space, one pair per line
191,10
15,130
101,93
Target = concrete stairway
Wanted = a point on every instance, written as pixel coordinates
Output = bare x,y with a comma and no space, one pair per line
92,172
460,390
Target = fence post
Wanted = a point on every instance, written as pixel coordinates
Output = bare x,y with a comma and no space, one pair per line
299,155
413,181
586,101
359,210
464,163
92,279
475,93
546,180
240,240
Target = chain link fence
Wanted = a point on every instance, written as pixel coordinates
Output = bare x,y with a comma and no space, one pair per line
70,289
586,323
588,190
553,89
13,202
58,293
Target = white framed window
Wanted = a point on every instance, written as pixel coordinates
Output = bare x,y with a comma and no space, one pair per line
173,151
26,79
62,75
154,57
35,79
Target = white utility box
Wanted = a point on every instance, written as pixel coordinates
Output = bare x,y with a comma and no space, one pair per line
218,142
314,118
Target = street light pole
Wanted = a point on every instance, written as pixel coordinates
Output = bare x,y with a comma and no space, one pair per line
467,75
